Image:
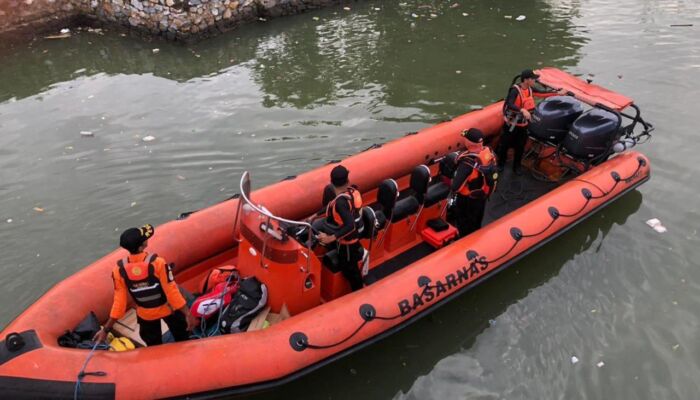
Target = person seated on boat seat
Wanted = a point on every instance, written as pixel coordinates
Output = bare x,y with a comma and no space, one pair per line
150,282
343,213
473,182
517,112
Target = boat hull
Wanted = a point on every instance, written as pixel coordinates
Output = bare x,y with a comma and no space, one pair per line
257,360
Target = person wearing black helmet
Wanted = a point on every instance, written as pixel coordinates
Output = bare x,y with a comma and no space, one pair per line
149,281
473,182
517,112
343,215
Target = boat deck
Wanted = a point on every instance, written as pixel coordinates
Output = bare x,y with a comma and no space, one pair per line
512,193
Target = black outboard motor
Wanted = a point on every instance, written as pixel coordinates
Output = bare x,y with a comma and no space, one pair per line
553,117
592,134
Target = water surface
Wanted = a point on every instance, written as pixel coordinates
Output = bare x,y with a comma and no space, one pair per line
282,97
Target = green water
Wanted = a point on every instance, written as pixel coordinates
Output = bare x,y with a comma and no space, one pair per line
282,97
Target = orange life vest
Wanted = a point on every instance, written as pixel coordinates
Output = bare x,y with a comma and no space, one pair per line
484,176
355,198
524,100
142,282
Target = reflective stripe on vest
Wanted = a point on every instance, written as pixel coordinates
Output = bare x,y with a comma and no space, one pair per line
147,291
525,100
355,199
481,182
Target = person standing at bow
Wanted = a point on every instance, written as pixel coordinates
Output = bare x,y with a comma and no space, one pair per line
149,280
517,113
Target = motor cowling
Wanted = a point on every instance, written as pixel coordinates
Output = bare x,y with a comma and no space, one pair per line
592,134
553,117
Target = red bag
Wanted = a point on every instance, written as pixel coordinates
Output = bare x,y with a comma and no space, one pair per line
225,282
208,304
219,275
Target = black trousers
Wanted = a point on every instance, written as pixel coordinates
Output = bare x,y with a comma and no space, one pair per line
349,257
515,139
469,213
152,335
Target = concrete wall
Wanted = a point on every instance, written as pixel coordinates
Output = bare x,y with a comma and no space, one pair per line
173,19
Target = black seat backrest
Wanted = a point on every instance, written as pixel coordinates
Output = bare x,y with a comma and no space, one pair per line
369,223
387,192
328,194
420,178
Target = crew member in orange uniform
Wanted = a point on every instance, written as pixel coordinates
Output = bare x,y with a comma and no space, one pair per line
343,214
517,112
474,181
149,280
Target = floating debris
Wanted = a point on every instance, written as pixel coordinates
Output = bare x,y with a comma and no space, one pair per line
346,8
156,51
133,203
148,138
61,36
39,209
574,359
508,16
676,346
314,18
180,177
414,15
655,224
65,30
465,14
9,220
520,18
86,134
680,25
600,364
458,72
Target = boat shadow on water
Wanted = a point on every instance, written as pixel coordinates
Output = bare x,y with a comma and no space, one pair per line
381,370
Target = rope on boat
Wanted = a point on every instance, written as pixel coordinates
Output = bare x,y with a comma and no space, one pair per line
300,342
82,373
554,213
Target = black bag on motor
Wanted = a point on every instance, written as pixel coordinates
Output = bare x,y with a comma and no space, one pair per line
250,298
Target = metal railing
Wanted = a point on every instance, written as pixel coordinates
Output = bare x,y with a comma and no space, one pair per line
245,200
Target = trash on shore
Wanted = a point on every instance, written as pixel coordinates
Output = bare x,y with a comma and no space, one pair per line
520,18
86,134
655,224
148,138
346,8
65,30
680,25
574,359
508,16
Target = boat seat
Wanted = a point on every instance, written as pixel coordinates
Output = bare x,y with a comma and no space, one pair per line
388,191
436,193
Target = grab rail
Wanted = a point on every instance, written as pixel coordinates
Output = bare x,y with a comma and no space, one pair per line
245,197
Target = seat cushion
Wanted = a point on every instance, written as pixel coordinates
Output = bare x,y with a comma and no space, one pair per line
404,208
436,192
330,261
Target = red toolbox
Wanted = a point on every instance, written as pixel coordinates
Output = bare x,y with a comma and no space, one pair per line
439,234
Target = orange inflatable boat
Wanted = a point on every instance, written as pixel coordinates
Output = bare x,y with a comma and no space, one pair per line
412,269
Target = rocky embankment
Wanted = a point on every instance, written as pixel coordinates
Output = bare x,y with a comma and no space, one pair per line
173,19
